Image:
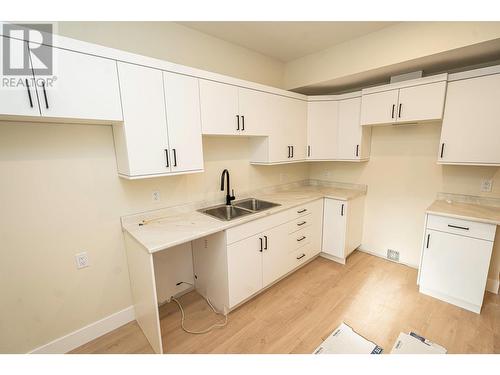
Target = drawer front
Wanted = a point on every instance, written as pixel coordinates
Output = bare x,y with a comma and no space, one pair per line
299,239
306,209
300,223
299,256
461,227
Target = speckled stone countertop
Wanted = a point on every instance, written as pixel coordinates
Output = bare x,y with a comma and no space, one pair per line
172,226
484,210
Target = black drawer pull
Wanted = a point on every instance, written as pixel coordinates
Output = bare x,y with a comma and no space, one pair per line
45,95
265,242
308,150
357,150
302,211
261,244
393,107
29,93
302,256
166,156
300,224
442,149
399,112
342,210
428,238
242,122
301,238
458,227
238,122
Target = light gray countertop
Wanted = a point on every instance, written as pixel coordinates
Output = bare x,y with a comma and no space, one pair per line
165,228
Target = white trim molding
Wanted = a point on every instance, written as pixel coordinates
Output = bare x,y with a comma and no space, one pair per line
88,333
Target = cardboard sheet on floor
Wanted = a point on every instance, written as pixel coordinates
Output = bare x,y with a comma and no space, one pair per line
415,344
344,340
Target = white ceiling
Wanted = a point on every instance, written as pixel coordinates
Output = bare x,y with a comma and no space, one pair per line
287,41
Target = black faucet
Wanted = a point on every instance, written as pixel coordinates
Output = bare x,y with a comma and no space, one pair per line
229,197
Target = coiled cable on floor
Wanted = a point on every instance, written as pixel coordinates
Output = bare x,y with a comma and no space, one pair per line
213,326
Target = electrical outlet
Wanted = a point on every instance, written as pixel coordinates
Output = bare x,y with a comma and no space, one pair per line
155,197
486,185
393,255
82,260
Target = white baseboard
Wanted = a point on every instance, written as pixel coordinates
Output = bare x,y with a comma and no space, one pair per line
383,257
492,285
88,333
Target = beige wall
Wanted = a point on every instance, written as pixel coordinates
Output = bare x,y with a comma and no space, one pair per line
403,179
61,194
179,44
391,45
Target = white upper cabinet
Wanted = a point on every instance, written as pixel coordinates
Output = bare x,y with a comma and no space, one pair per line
219,108
141,143
471,122
353,141
86,87
421,103
418,100
161,131
21,100
257,114
322,129
379,107
183,122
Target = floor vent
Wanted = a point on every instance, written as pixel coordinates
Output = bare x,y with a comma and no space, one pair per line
393,255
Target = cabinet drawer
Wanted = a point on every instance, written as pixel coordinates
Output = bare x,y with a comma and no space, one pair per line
300,223
299,256
461,227
299,239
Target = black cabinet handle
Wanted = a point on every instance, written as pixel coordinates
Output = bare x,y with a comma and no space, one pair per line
342,210
442,149
458,227
428,237
237,122
242,122
45,95
302,211
166,156
302,223
393,107
261,246
175,157
292,151
301,238
288,152
399,112
29,93
357,150
302,256
308,150
265,242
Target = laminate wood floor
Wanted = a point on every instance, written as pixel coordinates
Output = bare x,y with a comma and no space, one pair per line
377,298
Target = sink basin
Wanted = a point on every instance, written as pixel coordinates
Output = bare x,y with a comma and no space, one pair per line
255,204
224,212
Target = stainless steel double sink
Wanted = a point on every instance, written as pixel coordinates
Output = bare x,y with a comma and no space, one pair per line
238,209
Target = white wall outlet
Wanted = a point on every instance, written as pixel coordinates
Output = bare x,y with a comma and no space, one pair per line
155,196
486,185
82,260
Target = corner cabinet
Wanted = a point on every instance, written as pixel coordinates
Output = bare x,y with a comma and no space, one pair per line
161,132
334,131
471,123
342,228
417,100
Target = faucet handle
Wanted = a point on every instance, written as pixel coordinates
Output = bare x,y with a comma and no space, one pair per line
232,195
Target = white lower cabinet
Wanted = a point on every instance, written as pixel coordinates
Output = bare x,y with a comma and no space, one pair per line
455,260
284,242
342,227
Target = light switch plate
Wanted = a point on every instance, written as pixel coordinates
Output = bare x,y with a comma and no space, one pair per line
155,196
486,185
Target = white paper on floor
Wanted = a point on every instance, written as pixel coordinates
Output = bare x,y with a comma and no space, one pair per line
415,344
344,340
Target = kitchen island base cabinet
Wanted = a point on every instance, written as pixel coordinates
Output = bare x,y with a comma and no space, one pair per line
454,265
342,228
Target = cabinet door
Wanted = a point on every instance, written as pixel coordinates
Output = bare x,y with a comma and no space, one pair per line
219,108
334,227
258,112
294,114
349,130
86,87
322,129
275,257
21,99
183,122
244,262
471,122
456,266
141,142
379,108
421,103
